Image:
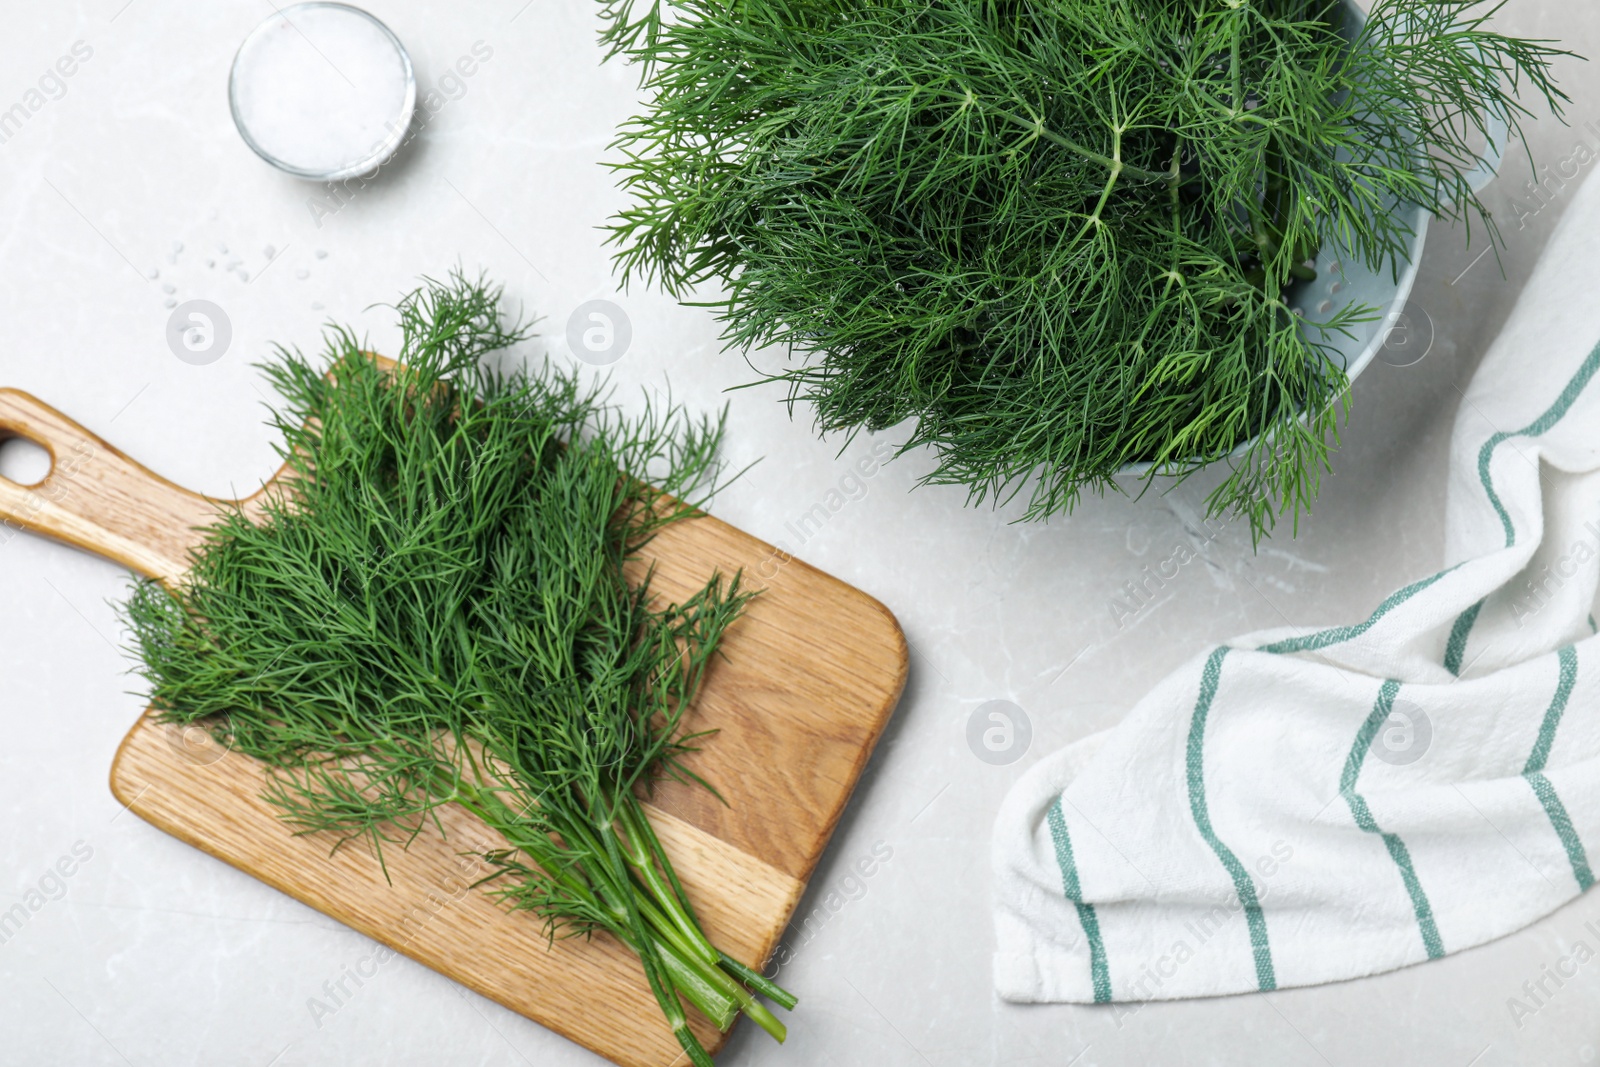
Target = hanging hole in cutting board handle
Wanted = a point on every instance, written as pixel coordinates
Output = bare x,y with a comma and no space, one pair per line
94,497
24,461
27,496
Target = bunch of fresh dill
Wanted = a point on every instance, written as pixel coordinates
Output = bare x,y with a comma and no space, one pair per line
1060,235
436,612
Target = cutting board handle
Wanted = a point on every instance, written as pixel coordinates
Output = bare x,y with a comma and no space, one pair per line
95,497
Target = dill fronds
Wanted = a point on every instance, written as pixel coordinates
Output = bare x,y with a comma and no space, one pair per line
1059,236
436,612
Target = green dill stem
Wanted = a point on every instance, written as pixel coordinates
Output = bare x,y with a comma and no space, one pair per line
737,970
717,999
643,853
679,942
709,971
650,955
672,919
674,910
757,981
756,1010
1238,77
1111,182
1272,220
639,826
691,978
1115,164
441,614
677,902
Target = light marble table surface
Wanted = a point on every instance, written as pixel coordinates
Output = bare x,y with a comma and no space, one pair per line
131,191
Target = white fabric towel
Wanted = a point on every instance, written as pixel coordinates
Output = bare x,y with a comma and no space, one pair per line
1303,806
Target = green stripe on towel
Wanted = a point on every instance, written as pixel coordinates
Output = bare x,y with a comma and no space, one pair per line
1538,426
1562,823
1324,638
1099,973
1266,978
1457,646
1363,816
1542,788
1568,659
1543,424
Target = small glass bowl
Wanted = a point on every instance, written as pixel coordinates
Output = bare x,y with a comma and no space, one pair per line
322,91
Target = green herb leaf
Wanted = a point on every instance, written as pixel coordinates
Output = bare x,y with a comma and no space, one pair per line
1059,236
440,611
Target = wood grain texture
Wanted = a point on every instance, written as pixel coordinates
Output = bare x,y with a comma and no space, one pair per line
808,679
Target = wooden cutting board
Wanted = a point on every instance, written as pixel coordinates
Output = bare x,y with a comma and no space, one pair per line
811,673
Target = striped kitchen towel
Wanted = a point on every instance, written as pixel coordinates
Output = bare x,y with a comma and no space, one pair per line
1302,806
